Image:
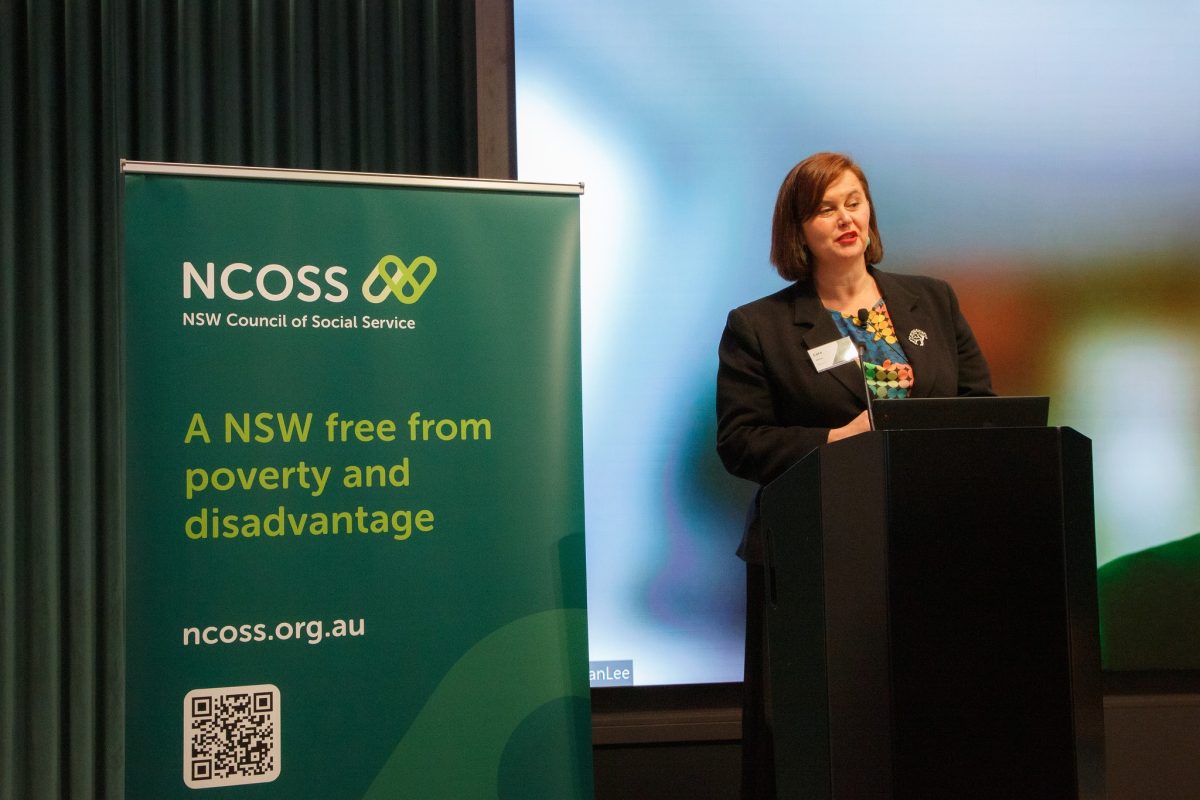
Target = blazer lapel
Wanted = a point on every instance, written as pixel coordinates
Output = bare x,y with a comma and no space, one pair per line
904,307
817,328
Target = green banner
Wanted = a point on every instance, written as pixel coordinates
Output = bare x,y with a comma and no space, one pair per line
355,489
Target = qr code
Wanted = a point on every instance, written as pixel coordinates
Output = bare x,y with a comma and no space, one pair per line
231,736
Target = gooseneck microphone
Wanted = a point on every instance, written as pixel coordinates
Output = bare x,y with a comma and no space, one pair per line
862,368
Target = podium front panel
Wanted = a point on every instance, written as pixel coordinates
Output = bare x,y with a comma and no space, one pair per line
948,647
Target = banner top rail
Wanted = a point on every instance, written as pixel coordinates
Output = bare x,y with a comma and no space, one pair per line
334,176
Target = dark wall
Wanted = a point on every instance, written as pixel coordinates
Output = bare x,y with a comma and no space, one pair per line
663,753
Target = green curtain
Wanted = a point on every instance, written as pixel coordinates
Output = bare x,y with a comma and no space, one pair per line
368,85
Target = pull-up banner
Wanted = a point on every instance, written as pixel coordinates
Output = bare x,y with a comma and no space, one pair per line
355,487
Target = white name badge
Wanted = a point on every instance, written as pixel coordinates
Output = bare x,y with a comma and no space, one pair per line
833,354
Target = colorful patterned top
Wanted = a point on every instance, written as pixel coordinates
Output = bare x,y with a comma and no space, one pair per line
888,372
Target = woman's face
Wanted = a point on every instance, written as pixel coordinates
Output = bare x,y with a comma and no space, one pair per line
838,231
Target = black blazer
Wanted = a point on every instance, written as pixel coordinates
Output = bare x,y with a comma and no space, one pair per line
773,406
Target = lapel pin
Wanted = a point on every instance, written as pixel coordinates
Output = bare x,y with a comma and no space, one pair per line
917,337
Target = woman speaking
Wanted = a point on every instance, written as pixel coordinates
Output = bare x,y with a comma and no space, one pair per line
785,387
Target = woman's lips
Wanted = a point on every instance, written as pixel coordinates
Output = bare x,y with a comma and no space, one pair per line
848,238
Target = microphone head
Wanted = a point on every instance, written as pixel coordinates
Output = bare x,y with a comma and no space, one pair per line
862,316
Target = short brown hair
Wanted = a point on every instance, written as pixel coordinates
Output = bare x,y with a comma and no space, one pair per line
800,197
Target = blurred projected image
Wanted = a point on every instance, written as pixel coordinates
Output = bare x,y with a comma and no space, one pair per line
1120,368
1040,156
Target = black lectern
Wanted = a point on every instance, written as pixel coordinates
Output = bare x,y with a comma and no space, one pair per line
932,618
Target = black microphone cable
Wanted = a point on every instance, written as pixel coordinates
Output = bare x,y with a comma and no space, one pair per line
862,368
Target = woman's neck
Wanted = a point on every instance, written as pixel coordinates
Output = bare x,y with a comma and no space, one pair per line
845,288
